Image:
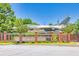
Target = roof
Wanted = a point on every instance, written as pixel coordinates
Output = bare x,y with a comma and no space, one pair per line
46,26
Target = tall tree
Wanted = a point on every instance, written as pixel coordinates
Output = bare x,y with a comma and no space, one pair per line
50,24
6,15
66,20
20,27
34,23
27,21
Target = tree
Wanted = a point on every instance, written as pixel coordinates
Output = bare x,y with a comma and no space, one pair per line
27,21
6,15
20,27
34,23
66,20
50,24
76,29
69,28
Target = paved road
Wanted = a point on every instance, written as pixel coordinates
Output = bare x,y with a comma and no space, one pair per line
38,50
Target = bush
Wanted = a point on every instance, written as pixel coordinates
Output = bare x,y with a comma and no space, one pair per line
55,38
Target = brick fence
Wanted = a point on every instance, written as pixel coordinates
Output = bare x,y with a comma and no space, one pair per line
51,37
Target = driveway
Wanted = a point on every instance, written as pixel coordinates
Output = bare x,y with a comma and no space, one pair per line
38,50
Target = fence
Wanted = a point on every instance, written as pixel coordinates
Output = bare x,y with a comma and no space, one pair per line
36,37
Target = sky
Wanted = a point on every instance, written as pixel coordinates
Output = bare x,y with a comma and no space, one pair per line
45,13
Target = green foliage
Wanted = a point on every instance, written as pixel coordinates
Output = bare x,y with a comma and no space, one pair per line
34,23
7,17
55,38
69,28
5,11
27,21
76,29
8,20
20,27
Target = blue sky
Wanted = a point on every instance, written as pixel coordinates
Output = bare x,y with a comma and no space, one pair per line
45,13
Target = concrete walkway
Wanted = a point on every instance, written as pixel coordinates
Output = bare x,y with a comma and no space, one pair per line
38,50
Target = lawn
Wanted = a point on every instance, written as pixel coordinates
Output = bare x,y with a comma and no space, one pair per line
39,43
52,43
6,43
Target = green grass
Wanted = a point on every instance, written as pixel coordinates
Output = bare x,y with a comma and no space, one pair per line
6,43
52,43
46,43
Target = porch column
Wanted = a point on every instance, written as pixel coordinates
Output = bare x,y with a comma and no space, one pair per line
36,37
51,33
69,37
60,36
5,36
